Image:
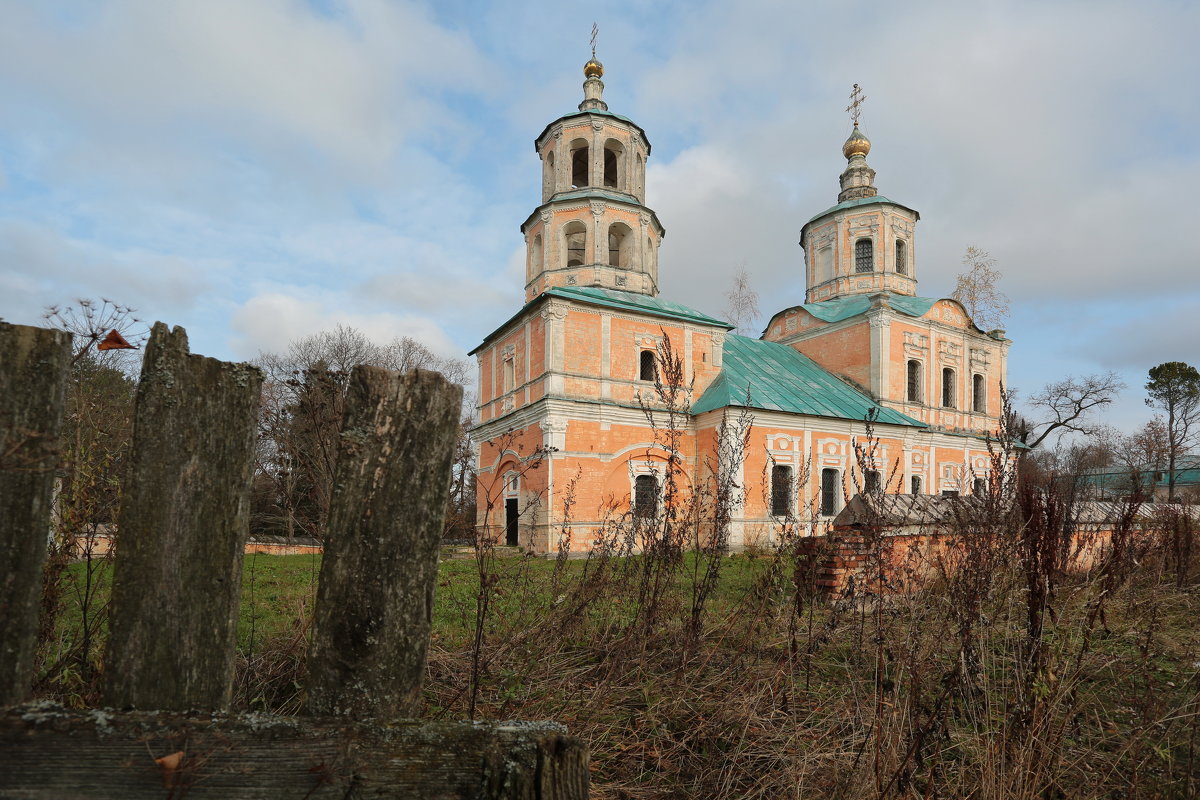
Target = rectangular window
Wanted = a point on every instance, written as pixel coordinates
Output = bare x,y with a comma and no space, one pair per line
979,486
646,365
915,484
781,490
829,492
645,496
509,375
948,390
864,256
978,398
914,381
873,481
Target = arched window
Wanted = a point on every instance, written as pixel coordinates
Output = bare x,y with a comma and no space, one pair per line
829,492
873,481
575,234
645,496
579,163
864,256
781,490
651,255
641,174
620,245
978,397
914,381
901,258
824,264
535,254
979,486
914,484
548,177
948,388
646,365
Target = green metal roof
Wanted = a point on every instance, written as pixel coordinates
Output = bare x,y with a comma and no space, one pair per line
847,307
633,301
546,130
774,377
860,201
594,191
611,298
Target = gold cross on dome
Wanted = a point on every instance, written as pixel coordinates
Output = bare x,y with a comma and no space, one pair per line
595,33
856,101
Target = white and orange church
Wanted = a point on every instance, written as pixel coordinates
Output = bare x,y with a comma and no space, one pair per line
565,383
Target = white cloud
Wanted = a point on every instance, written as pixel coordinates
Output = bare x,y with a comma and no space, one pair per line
268,321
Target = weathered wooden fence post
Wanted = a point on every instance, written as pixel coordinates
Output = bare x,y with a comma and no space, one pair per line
374,609
183,526
175,600
33,380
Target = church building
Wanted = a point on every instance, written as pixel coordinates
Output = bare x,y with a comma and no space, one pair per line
574,394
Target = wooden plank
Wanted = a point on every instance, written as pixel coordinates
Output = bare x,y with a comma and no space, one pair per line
374,609
34,365
48,752
183,525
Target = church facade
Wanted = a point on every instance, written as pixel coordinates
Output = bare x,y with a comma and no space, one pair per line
577,388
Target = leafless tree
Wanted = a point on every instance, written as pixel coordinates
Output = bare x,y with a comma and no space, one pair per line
977,289
742,309
1174,388
303,401
1068,405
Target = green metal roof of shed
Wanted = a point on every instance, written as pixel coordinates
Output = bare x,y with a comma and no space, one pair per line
633,301
774,377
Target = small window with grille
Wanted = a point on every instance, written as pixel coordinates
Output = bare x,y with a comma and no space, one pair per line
978,396
645,496
901,257
864,256
915,484
914,381
948,388
873,481
829,492
781,490
646,365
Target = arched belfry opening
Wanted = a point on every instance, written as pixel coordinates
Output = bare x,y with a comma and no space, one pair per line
620,246
575,241
580,163
613,162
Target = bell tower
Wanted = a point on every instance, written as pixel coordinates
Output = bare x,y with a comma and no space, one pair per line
593,227
865,244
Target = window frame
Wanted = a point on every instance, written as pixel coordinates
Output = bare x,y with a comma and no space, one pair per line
830,492
782,490
949,388
901,257
864,255
647,358
978,393
644,504
915,389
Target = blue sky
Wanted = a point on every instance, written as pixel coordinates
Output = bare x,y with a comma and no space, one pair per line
257,170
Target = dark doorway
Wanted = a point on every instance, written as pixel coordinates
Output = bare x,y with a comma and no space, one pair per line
510,522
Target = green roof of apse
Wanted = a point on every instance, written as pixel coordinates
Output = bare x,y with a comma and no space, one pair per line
633,301
847,307
774,377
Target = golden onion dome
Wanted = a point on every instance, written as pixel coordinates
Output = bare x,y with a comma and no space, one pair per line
593,68
856,145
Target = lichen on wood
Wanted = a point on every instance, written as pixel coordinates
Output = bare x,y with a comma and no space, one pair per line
373,615
33,379
184,520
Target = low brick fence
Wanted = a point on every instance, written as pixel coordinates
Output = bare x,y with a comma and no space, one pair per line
898,543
